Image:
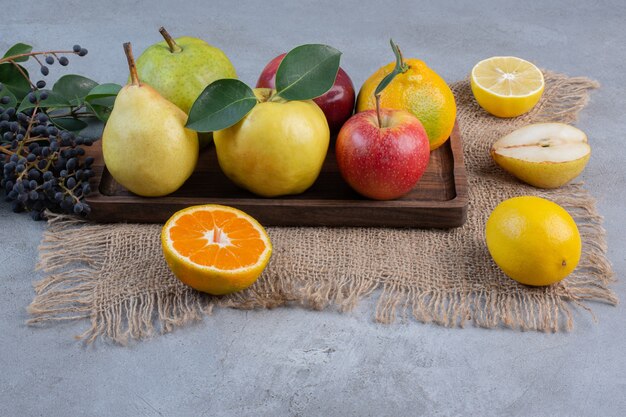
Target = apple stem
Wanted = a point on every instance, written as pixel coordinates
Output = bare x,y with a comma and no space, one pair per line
170,41
380,123
128,50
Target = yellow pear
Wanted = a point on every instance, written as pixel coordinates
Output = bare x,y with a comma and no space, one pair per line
145,144
545,155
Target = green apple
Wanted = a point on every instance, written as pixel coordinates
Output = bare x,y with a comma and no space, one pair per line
179,69
277,149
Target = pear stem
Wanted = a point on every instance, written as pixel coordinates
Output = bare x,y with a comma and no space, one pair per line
174,47
128,50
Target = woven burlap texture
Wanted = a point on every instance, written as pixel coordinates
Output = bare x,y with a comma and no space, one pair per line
115,275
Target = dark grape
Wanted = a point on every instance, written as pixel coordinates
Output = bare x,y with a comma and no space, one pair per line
49,60
34,174
22,118
64,61
76,48
71,164
43,95
49,172
45,70
5,100
82,52
42,118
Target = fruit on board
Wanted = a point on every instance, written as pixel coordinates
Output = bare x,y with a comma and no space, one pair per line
145,144
337,103
215,249
276,149
545,155
179,69
506,86
382,161
419,90
533,240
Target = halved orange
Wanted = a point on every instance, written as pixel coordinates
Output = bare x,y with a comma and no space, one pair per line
215,249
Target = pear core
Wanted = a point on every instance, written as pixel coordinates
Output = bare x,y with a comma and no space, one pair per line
544,142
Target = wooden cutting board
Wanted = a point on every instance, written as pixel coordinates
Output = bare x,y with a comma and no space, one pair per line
439,200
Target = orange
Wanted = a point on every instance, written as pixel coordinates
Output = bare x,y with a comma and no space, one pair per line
215,249
421,91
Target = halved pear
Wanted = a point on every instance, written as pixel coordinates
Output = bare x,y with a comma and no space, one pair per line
545,155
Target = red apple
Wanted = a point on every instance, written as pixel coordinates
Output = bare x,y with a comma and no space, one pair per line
337,103
384,161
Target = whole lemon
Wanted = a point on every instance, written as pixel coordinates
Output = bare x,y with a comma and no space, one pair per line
533,240
277,149
421,91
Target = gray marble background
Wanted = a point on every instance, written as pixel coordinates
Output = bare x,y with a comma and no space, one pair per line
298,362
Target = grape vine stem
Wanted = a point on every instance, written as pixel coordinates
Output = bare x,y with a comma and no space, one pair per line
32,54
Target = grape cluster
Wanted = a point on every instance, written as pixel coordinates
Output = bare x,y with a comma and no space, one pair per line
41,166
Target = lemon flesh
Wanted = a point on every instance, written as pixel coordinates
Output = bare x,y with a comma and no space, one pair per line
533,240
506,86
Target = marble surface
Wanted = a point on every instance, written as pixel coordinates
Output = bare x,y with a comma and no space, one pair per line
308,363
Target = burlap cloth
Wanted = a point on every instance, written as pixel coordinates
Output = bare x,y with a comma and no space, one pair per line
115,275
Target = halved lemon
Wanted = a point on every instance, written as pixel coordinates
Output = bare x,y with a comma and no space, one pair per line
215,249
507,86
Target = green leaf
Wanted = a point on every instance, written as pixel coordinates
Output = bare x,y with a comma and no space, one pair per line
103,90
102,112
18,49
54,101
399,68
12,78
307,71
74,88
222,104
5,92
69,123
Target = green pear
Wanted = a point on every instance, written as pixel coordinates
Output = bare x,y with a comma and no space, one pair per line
180,69
145,144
